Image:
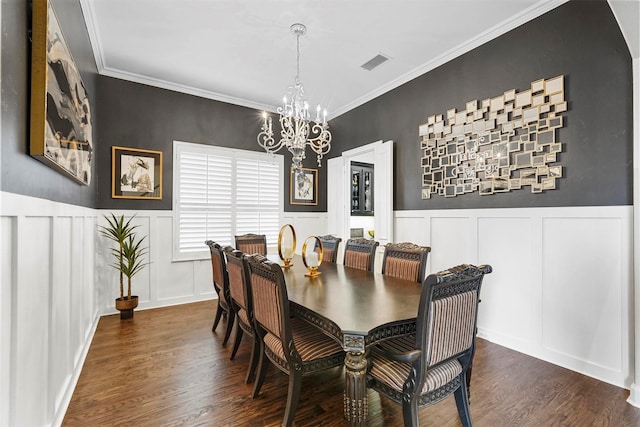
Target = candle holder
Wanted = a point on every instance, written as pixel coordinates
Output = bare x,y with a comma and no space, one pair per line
312,260
287,244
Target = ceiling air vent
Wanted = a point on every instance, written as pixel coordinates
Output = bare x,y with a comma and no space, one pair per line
374,62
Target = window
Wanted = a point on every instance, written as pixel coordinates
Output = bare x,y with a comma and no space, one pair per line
221,192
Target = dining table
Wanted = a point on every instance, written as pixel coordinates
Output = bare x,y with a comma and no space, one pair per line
358,309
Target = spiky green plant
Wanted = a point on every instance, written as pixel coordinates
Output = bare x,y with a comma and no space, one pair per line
118,230
132,259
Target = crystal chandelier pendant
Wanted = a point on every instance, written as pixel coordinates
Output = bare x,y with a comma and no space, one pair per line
297,129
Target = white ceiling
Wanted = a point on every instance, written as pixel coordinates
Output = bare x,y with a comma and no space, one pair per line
241,51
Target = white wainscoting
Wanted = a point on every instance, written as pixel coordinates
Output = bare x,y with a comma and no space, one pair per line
164,282
48,306
56,282
562,284
561,289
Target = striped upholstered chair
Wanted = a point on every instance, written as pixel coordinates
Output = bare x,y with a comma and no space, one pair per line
252,243
241,302
405,260
360,253
294,346
221,286
422,369
330,245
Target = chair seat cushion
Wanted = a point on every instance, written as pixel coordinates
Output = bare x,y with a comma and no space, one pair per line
394,374
221,297
310,342
244,318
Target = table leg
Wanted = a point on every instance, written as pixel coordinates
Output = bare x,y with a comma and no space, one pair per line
355,391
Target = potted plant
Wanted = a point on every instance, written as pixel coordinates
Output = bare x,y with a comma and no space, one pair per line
129,258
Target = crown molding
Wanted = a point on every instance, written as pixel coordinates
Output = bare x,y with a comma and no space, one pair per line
98,53
94,35
189,90
503,27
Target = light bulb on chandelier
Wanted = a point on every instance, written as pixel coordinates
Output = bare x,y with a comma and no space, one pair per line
297,131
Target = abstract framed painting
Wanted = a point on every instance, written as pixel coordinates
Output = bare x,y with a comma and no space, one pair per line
61,128
136,173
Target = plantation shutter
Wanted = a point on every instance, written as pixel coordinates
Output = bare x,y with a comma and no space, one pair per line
258,193
219,193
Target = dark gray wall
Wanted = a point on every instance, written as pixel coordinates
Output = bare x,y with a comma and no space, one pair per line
140,116
581,40
22,173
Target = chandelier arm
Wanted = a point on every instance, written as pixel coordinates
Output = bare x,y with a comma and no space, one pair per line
268,143
287,130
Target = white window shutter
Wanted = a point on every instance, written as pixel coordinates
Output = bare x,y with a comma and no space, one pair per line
220,193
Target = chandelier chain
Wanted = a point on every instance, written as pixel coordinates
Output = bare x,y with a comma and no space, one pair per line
298,58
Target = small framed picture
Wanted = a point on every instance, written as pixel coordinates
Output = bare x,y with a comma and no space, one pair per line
303,187
136,173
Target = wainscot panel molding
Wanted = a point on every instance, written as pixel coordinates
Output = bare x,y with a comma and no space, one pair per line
48,306
306,224
562,283
166,282
163,282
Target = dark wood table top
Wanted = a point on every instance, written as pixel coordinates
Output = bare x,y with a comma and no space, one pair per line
357,302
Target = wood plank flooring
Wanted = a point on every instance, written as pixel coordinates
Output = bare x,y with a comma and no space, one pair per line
165,367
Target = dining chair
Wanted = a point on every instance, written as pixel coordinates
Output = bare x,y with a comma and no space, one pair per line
252,243
293,345
422,369
330,245
360,253
240,299
221,286
405,260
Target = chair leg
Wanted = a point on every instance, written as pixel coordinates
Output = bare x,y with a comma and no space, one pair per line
255,346
468,376
217,318
462,402
230,318
262,370
293,397
236,343
410,412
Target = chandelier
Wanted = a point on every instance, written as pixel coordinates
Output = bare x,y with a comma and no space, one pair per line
297,130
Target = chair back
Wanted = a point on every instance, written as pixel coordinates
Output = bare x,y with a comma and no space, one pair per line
219,269
360,253
405,260
270,299
330,245
252,243
238,282
447,316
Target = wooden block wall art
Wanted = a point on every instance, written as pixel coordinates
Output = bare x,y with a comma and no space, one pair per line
507,142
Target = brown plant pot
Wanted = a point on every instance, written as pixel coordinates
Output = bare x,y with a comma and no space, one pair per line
126,306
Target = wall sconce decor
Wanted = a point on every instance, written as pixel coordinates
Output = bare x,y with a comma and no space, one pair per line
496,145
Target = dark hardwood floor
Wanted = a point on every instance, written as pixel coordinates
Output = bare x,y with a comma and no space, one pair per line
164,367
